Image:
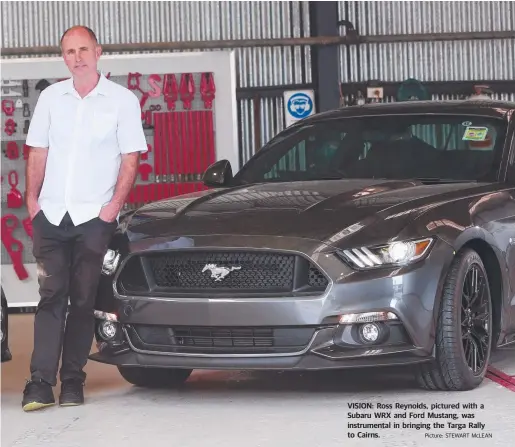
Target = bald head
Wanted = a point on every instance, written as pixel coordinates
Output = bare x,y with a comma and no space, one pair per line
80,29
81,51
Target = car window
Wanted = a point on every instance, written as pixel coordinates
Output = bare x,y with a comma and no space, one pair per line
391,147
314,152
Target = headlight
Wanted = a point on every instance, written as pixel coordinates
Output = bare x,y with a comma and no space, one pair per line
111,260
389,255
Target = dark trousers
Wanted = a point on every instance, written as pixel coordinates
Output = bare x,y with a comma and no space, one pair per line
69,262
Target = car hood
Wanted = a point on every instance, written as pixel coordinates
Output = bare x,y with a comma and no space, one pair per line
327,211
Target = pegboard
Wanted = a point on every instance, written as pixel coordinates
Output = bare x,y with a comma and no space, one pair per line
18,101
20,98
221,121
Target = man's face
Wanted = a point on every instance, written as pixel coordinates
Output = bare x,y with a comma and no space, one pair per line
80,53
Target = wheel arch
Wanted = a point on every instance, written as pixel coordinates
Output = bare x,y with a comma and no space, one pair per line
447,371
495,280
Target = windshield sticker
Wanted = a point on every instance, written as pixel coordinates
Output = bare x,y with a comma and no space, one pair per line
466,124
475,134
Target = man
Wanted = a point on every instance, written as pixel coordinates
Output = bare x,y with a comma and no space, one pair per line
85,137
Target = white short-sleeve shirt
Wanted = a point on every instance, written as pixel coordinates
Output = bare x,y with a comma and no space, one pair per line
86,138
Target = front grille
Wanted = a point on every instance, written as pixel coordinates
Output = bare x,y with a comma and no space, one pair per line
220,340
202,272
223,270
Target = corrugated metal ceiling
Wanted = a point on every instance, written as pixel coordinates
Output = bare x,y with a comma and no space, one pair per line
429,61
418,17
41,23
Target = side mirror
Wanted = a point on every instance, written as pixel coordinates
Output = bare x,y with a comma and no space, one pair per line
218,174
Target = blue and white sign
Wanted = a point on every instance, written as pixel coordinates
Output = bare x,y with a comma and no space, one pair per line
298,104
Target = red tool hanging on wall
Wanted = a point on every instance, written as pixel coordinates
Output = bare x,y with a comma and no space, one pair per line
170,90
133,80
14,196
207,89
209,144
26,151
177,154
13,246
133,83
8,106
187,90
145,155
11,151
144,170
158,161
27,224
10,126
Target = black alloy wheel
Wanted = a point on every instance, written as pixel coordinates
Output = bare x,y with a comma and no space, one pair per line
463,339
475,319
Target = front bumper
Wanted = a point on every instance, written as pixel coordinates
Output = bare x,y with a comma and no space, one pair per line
410,293
307,361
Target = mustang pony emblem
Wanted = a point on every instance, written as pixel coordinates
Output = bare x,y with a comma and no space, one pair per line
219,273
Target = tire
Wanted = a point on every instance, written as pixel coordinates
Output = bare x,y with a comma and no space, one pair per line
450,370
154,377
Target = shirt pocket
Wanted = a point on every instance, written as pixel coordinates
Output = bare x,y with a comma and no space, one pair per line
104,125
61,129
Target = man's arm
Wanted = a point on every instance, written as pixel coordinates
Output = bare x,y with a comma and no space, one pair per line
126,179
37,139
132,141
34,176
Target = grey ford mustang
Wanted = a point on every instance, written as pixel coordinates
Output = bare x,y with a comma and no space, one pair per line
363,237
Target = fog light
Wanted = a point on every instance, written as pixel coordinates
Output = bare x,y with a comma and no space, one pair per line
369,332
107,330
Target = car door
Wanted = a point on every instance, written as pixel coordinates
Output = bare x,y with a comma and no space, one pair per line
510,249
496,211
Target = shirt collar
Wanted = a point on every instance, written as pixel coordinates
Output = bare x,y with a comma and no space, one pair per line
102,87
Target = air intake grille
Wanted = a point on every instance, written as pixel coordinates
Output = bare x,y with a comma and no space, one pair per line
316,279
212,340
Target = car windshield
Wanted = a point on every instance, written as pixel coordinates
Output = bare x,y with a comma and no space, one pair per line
426,147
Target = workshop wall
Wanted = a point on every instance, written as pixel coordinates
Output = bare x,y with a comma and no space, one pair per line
449,63
40,23
276,69
428,61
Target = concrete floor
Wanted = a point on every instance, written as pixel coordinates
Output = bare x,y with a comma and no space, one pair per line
240,408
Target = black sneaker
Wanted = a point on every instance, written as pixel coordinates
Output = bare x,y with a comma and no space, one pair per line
71,393
37,395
